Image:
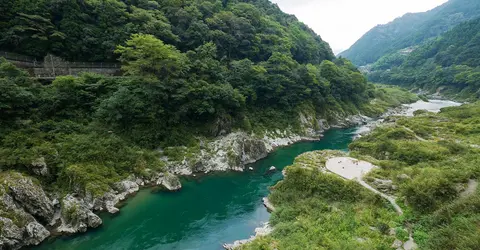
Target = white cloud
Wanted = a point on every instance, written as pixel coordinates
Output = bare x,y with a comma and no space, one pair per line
342,22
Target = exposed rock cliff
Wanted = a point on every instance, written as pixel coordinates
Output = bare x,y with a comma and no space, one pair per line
76,216
22,203
236,150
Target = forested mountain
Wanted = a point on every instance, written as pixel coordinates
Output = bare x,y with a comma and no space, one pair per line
410,30
449,63
89,30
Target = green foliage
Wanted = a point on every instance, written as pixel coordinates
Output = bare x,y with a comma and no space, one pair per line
412,29
144,55
448,64
191,69
90,30
94,179
16,92
315,209
437,170
318,210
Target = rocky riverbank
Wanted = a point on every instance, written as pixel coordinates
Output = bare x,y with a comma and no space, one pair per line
29,214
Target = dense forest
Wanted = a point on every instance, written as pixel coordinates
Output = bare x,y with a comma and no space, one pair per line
90,30
448,64
412,29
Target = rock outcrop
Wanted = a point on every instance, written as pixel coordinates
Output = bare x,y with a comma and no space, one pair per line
76,216
169,181
36,233
39,167
22,202
231,152
30,196
268,204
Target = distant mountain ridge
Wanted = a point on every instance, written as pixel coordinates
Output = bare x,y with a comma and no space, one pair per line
449,64
410,30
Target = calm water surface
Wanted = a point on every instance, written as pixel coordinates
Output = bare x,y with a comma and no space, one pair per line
207,212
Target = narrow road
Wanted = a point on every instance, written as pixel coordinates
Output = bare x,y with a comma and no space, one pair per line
397,208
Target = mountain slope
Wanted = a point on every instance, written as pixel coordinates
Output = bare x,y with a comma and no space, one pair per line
449,63
410,30
90,30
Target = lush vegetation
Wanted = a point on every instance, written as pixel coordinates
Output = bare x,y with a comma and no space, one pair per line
319,210
193,70
410,30
440,155
90,30
448,64
433,161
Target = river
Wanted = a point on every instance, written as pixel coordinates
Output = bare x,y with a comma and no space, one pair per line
207,212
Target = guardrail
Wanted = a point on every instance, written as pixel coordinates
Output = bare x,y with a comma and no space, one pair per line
32,62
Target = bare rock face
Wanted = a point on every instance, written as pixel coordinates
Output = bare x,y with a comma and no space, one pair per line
17,227
126,187
30,196
39,167
252,150
231,152
169,181
119,193
76,216
11,235
268,204
36,233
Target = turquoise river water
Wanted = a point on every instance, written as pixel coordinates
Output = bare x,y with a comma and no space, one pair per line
206,213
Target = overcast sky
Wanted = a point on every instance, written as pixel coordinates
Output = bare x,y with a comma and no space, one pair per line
342,22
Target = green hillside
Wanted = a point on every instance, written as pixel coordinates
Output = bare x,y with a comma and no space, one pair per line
90,30
449,63
410,30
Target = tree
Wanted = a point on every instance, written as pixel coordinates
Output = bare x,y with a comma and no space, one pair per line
145,55
15,97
